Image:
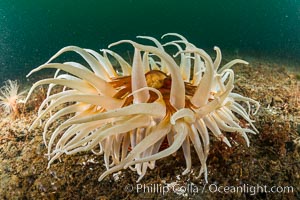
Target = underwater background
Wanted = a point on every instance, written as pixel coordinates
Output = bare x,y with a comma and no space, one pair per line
32,31
266,33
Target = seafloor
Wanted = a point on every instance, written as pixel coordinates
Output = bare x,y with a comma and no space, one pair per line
272,159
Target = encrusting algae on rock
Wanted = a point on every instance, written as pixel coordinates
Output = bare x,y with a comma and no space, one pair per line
128,114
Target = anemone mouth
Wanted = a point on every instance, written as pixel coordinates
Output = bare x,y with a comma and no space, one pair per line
129,114
155,79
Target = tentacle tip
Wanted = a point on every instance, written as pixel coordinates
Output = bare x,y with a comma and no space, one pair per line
25,101
206,181
126,166
101,178
164,35
32,127
226,141
185,172
139,179
172,121
179,52
32,71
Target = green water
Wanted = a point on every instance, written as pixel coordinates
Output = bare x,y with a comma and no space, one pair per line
32,31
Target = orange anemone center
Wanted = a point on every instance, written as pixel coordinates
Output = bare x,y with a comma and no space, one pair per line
155,79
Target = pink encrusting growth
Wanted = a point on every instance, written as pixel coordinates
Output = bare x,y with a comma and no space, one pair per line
128,114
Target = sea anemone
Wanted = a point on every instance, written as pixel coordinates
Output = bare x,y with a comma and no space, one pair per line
10,97
130,112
